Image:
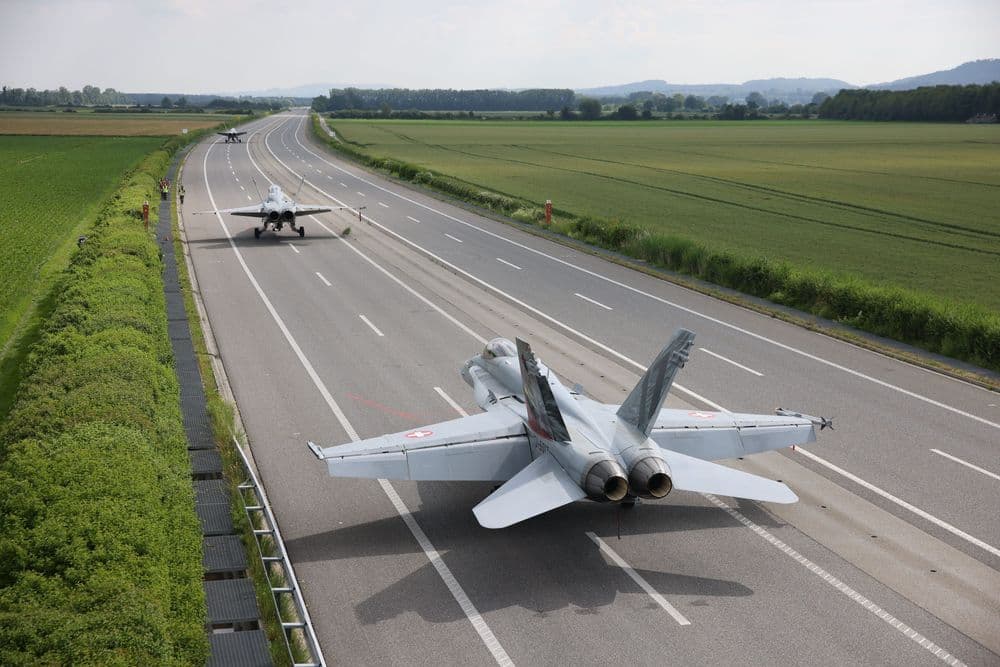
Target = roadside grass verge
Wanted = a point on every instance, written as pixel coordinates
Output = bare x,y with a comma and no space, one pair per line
961,330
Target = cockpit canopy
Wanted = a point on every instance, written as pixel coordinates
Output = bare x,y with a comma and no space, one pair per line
499,348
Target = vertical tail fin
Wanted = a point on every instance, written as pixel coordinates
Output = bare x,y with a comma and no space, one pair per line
643,405
544,417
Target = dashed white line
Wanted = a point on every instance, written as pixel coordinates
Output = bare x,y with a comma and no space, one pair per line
361,193
454,238
730,361
504,261
292,246
373,327
249,198
318,171
329,176
325,281
838,584
237,179
596,303
967,464
343,184
450,401
411,218
383,205
643,584
243,188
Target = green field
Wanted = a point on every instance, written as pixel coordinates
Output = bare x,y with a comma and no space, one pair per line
50,186
911,205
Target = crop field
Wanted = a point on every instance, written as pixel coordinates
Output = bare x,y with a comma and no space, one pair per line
906,204
105,124
49,186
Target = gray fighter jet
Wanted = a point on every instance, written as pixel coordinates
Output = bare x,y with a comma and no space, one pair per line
275,212
232,135
552,446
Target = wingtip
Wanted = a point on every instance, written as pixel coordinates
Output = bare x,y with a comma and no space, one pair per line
316,450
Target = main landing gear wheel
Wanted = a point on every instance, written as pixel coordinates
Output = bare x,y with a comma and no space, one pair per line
256,232
302,231
628,503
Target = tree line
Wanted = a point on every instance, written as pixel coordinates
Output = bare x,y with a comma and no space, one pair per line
930,103
62,96
444,99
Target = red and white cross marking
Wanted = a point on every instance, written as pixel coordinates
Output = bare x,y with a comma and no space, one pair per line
702,415
419,434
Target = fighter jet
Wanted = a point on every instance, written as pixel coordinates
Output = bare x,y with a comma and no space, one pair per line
275,211
232,135
552,446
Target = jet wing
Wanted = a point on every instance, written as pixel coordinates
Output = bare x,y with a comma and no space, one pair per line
491,446
712,436
538,488
306,209
691,474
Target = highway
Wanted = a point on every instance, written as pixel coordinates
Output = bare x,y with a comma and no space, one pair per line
891,555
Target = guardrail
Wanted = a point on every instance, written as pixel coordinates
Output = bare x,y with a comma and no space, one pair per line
296,625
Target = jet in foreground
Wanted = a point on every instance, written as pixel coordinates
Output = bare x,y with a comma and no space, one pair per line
232,135
552,446
275,212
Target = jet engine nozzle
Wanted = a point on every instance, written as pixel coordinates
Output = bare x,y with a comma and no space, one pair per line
606,481
273,216
287,216
650,478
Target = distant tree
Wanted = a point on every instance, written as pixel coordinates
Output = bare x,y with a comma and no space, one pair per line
819,98
647,114
717,101
693,102
181,102
627,112
590,108
567,114
755,100
165,102
385,110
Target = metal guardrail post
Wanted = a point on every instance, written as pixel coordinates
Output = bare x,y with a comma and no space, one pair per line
261,507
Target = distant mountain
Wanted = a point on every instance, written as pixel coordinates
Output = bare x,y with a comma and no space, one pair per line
788,90
977,71
309,89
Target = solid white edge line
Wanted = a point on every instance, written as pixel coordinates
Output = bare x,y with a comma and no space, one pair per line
637,578
967,464
454,238
450,401
373,327
487,636
838,584
730,361
902,503
955,531
596,303
504,261
325,281
685,309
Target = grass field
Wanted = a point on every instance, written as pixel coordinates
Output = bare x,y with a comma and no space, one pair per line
105,124
913,205
50,186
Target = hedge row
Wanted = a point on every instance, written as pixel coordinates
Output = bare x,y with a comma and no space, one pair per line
960,331
100,553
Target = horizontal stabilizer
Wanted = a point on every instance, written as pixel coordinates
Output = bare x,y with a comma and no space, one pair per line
541,486
691,474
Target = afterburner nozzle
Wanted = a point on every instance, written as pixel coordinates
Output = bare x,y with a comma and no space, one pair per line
606,481
650,478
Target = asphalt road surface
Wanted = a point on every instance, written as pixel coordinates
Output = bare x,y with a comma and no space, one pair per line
890,557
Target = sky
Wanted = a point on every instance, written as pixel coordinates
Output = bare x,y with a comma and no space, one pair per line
219,46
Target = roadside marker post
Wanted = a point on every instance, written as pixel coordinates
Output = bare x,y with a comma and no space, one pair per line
145,214
548,211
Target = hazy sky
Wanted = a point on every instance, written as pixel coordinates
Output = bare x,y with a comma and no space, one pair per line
195,46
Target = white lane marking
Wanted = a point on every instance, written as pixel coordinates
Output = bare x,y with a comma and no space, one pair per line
450,401
967,464
292,246
838,584
643,584
730,361
325,281
453,238
249,198
902,503
237,180
329,176
243,188
318,171
504,261
411,218
485,634
373,327
383,205
673,304
344,184
905,505
596,303
361,193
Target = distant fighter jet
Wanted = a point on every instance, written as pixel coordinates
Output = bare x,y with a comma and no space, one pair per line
276,210
553,446
232,135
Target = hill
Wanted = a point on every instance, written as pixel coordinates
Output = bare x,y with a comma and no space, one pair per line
977,71
787,90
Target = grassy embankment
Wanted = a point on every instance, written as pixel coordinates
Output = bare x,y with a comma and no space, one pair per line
891,228
101,549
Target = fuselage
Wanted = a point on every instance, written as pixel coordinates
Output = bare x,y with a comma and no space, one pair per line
277,206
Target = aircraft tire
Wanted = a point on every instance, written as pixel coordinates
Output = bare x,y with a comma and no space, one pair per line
256,232
302,231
